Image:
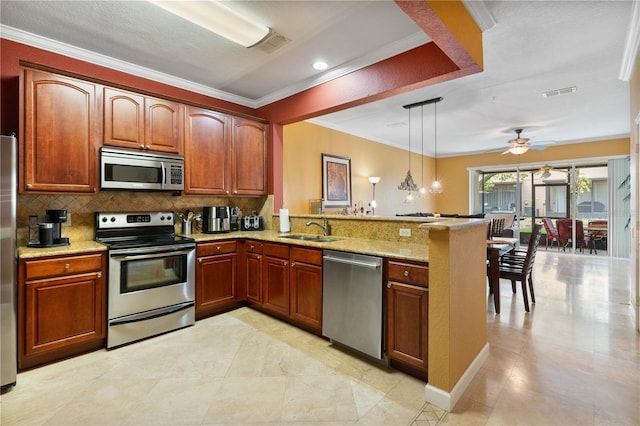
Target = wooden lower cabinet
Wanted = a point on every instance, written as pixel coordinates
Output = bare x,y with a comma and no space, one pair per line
291,284
407,315
275,278
216,287
253,271
62,307
306,287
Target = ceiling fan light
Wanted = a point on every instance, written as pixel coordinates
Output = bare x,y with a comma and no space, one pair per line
519,149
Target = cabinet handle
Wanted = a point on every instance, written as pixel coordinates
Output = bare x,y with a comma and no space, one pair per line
99,275
66,266
406,273
293,264
218,248
251,246
388,285
29,186
199,260
227,192
258,257
235,192
285,263
141,146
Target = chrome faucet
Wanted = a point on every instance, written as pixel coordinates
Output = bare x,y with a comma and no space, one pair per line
325,228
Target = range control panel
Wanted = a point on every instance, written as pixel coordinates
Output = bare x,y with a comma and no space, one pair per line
135,219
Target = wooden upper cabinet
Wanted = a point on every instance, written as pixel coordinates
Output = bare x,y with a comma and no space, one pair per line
249,157
123,119
135,121
61,127
207,156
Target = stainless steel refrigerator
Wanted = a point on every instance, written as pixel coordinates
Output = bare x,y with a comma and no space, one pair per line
8,261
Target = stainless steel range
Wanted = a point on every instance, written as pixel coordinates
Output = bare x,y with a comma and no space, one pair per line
151,277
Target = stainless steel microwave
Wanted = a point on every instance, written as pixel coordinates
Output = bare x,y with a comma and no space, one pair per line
132,169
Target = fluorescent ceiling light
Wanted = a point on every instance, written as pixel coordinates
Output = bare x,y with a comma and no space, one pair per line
215,17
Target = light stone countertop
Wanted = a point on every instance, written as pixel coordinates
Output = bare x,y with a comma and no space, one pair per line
75,247
417,252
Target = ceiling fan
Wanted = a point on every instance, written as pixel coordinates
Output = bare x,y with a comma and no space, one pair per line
545,170
520,145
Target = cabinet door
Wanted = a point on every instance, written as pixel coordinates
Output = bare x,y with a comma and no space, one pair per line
407,323
60,132
306,294
254,277
163,125
215,281
207,153
123,119
249,158
63,311
275,285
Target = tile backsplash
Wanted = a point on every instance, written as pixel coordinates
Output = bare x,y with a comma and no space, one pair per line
81,208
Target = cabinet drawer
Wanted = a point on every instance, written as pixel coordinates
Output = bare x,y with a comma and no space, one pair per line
312,256
253,247
61,266
408,273
218,247
276,250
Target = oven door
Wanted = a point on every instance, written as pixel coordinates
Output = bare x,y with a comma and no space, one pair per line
148,278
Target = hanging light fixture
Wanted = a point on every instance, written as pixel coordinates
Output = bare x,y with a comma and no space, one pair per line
408,184
422,191
436,186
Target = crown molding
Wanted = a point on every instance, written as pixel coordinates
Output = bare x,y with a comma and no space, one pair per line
632,45
75,52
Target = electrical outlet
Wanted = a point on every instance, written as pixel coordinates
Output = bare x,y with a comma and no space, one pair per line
405,232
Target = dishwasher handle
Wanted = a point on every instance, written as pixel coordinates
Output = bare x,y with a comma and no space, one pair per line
376,265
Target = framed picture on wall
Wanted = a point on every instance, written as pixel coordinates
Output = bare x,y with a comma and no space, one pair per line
336,181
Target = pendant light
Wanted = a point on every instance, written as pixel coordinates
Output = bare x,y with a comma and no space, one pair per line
422,191
436,186
408,184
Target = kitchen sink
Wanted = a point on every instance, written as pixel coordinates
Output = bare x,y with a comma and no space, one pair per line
316,238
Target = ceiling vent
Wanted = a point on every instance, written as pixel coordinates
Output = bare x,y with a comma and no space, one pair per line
557,92
272,42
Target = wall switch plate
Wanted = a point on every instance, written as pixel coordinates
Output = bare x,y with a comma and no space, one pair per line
405,232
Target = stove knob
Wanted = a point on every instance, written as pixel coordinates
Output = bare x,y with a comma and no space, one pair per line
169,218
113,218
104,219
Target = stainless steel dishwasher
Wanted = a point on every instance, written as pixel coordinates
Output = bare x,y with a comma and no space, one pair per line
352,301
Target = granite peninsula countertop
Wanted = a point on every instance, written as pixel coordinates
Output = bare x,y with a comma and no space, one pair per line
411,251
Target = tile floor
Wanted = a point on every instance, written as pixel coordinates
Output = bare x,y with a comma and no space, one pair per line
575,359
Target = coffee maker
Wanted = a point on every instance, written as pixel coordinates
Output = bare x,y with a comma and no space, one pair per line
45,230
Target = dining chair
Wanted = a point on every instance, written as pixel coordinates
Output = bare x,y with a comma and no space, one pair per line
598,230
565,233
497,226
552,232
518,266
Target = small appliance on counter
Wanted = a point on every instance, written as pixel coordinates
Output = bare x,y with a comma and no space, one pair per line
216,219
45,230
235,219
252,223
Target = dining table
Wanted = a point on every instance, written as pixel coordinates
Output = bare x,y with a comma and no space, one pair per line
595,231
496,248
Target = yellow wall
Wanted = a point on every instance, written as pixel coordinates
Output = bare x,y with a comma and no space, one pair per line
454,176
304,143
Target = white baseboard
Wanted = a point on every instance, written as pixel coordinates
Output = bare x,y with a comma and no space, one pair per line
447,400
